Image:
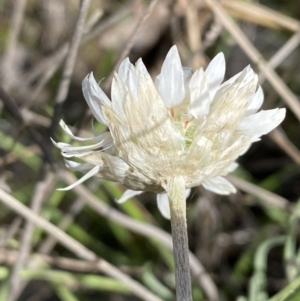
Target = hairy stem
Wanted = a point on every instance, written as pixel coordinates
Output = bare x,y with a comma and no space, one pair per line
177,200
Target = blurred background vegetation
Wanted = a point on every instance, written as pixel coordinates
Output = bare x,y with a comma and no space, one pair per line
245,246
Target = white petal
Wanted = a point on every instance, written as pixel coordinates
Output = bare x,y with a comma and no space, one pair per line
255,102
262,122
219,185
246,77
132,82
105,140
188,192
75,166
163,205
142,68
200,96
118,96
128,194
171,80
69,132
117,167
124,69
187,73
215,73
247,147
91,173
69,151
94,97
232,167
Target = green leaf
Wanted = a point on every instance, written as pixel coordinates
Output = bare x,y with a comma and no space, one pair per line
64,293
289,293
20,151
150,280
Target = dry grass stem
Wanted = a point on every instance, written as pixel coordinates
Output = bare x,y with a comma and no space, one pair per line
268,197
260,14
72,52
76,247
107,24
286,145
131,40
282,54
249,49
9,257
46,69
42,189
8,72
10,232
49,243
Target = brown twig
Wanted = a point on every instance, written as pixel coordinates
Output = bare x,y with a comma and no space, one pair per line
49,243
69,64
282,54
280,138
131,41
16,284
12,107
7,69
76,247
67,241
10,232
260,14
267,196
54,60
249,49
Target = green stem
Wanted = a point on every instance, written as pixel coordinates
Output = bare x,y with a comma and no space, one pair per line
176,192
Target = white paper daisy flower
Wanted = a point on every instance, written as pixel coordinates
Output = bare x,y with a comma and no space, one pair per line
186,124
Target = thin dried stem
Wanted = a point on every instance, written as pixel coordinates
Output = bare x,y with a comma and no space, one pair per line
48,67
131,41
260,14
280,138
76,247
194,34
7,68
9,257
48,245
212,34
249,49
108,23
72,54
55,59
15,282
69,64
269,197
67,241
10,232
282,54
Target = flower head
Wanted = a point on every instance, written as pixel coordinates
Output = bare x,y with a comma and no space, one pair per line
185,124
